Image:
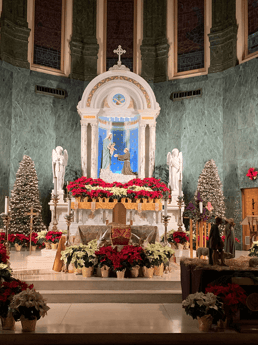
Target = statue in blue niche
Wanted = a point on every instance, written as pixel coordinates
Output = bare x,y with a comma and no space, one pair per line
108,149
127,166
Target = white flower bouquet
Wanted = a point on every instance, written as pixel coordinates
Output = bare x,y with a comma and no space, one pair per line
29,304
200,304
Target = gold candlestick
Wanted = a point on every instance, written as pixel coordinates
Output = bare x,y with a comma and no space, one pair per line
69,220
165,221
180,203
55,199
6,221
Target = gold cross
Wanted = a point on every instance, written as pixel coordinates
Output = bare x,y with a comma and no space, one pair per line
31,214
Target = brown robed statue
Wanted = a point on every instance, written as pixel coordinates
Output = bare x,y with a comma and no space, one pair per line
127,166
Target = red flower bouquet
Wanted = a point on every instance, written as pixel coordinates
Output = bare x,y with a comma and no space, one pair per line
20,239
180,237
3,254
233,296
53,236
7,291
252,174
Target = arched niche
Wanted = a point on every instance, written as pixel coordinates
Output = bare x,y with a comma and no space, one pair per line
137,103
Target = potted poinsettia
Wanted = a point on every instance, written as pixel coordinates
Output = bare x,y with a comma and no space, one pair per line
170,239
28,306
5,272
3,254
233,297
254,249
7,291
180,237
19,241
119,262
71,252
34,240
53,238
134,258
205,308
89,258
104,260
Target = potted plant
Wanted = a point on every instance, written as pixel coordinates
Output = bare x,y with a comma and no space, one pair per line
11,240
89,258
119,262
104,260
205,308
155,257
3,254
170,239
254,249
28,306
180,237
233,297
34,241
7,291
5,272
19,241
41,239
67,255
134,259
53,238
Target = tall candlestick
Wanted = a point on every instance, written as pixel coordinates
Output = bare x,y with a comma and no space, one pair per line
69,206
180,187
201,206
166,207
6,205
55,185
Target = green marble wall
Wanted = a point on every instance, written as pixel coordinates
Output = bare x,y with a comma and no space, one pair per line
35,124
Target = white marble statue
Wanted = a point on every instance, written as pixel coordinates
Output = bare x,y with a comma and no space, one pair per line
175,163
59,162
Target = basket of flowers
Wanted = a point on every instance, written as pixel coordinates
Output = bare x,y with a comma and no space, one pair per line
206,308
180,238
28,306
19,241
7,291
53,238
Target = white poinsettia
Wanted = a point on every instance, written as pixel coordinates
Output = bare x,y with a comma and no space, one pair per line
42,234
118,191
5,267
30,298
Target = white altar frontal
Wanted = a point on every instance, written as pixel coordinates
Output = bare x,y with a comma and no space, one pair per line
118,112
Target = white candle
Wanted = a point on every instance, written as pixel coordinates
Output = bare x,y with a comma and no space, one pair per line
6,205
55,185
69,206
201,206
165,207
180,187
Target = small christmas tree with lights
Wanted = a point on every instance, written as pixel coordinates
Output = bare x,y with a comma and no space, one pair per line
24,196
210,189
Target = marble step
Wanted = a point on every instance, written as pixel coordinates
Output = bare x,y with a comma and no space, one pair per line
96,283
112,296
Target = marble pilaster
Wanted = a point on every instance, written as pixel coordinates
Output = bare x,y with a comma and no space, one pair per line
141,173
84,148
152,146
94,149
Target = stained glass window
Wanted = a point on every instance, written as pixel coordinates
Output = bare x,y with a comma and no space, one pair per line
47,33
120,31
252,26
190,35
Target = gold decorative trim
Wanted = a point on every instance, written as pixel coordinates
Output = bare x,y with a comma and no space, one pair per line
148,118
130,80
89,117
146,204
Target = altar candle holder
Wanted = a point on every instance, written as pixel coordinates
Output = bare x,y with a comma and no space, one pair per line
55,199
69,220
180,203
6,221
165,221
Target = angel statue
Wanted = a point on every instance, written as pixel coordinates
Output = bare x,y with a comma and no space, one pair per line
59,162
175,164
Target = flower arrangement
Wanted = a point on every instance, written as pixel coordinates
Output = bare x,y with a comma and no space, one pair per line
233,296
29,304
200,304
7,291
136,188
3,254
104,256
180,237
192,210
20,239
170,237
254,249
5,272
252,174
156,254
53,236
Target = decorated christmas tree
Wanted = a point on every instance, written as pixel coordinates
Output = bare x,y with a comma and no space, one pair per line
210,188
25,194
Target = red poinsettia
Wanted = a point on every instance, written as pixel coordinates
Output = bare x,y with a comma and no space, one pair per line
232,295
180,237
3,254
34,239
252,174
11,238
53,236
20,239
104,256
2,237
236,239
7,291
